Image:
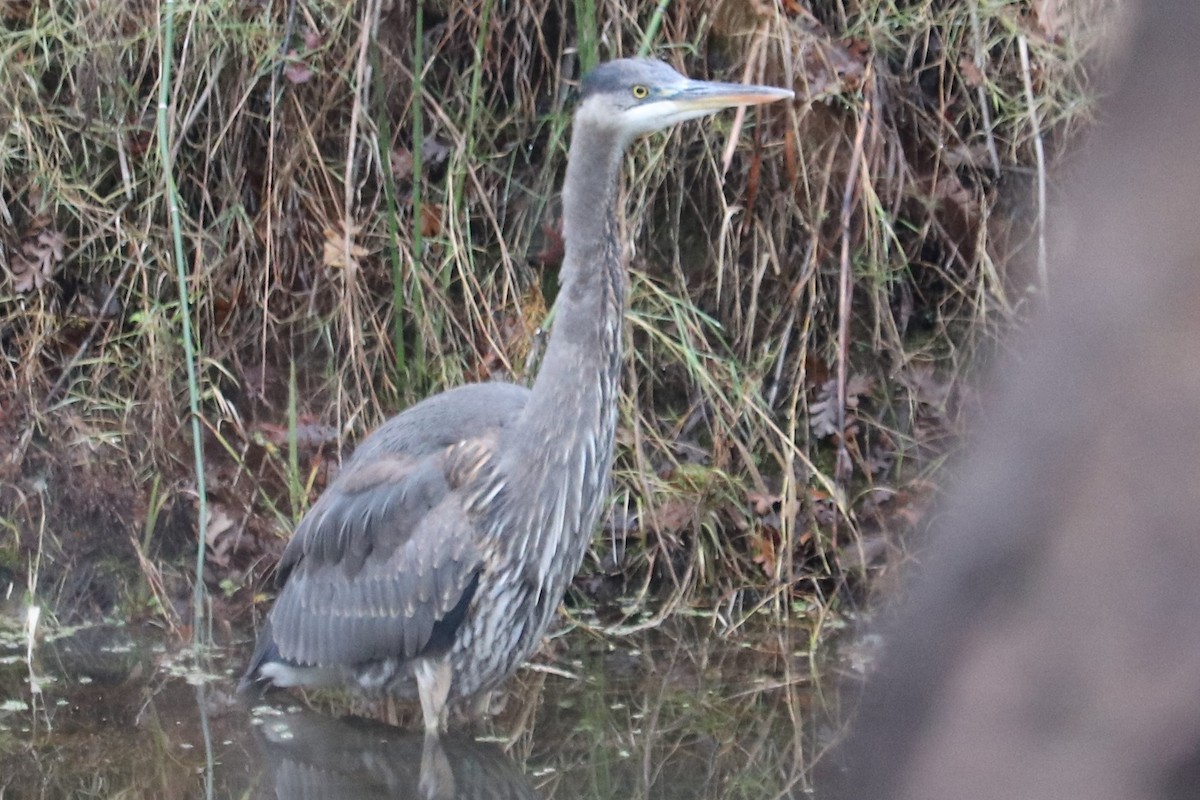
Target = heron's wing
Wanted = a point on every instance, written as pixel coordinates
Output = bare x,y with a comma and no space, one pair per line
385,563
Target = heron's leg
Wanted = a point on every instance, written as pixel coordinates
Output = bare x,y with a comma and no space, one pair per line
437,780
433,687
481,706
390,714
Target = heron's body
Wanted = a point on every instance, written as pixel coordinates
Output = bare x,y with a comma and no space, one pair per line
437,558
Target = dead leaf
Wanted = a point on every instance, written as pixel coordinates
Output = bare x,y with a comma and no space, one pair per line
310,434
833,68
553,248
1050,18
764,552
312,39
296,70
340,252
763,503
402,164
672,516
34,264
220,544
431,220
972,75
823,411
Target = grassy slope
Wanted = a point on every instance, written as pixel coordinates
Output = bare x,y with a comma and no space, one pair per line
859,251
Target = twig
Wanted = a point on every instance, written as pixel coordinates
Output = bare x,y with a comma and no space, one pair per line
154,583
289,28
185,308
845,280
1040,154
652,29
985,108
418,158
362,90
756,51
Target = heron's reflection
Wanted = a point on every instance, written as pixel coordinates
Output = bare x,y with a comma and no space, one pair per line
316,756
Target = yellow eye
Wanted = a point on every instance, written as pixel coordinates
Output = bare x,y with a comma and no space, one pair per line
640,92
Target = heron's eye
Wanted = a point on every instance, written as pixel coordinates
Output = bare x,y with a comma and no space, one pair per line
640,92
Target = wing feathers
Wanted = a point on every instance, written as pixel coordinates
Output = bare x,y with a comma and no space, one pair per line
382,558
386,562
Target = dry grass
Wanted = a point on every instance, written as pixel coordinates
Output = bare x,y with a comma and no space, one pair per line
847,259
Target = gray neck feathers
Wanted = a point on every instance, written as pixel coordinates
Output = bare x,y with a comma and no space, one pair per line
565,435
583,355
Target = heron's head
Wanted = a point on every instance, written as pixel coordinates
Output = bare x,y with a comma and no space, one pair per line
638,95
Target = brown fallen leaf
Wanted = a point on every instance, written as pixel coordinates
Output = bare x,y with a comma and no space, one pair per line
823,411
771,511
340,251
220,524
763,503
764,551
1050,18
972,75
310,434
402,163
833,68
672,516
433,152
553,248
431,220
296,70
33,265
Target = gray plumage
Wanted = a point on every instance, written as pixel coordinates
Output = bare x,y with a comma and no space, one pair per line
435,561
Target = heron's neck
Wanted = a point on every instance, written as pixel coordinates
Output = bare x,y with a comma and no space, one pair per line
560,450
575,391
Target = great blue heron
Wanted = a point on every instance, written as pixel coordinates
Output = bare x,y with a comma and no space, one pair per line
439,555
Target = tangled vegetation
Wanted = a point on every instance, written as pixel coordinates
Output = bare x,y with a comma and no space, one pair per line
367,213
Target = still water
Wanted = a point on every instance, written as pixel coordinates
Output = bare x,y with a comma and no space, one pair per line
676,712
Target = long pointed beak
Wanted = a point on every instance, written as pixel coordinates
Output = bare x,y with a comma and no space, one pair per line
690,99
711,95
